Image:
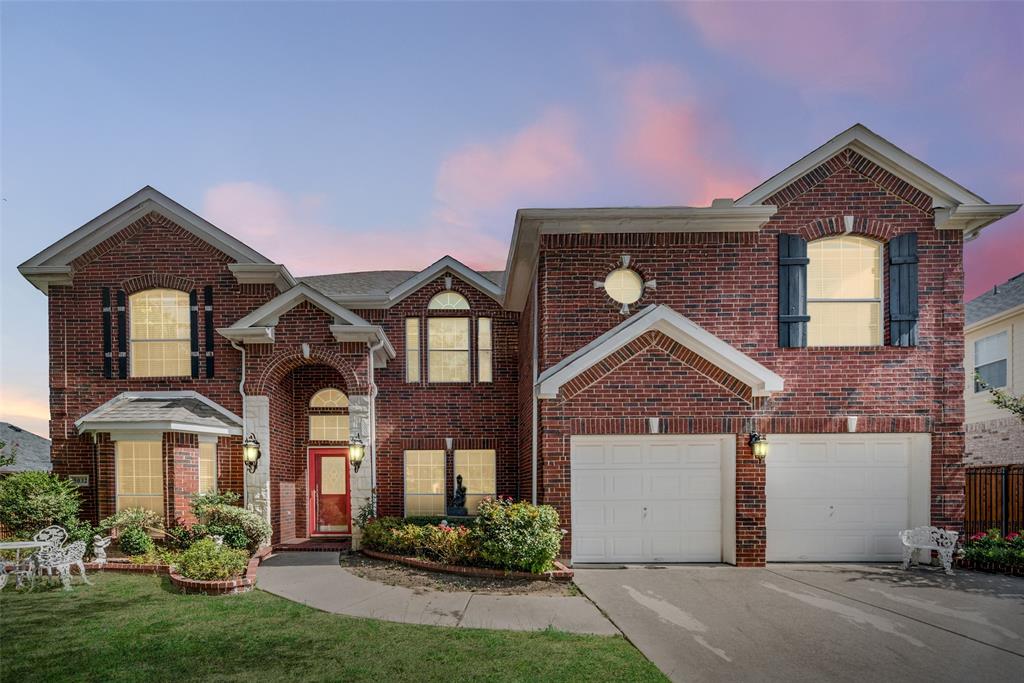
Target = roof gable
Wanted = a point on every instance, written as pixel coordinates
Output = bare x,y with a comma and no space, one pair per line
663,319
161,411
53,265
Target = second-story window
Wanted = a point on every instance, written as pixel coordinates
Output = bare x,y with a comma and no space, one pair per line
990,355
160,334
448,340
844,292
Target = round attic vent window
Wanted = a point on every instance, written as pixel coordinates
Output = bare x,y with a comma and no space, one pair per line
624,285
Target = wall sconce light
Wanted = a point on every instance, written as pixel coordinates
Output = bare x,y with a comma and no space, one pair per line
251,452
851,423
654,425
759,445
356,451
449,443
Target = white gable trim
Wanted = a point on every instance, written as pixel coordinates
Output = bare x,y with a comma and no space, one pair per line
40,269
444,266
661,318
268,314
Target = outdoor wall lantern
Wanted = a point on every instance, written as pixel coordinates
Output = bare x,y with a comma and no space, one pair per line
356,451
250,452
759,445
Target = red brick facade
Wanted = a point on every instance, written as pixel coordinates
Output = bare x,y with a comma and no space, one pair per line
726,282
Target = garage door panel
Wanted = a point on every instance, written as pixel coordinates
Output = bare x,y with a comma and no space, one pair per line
842,497
650,498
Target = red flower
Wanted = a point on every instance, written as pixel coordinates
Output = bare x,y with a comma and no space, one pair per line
1012,536
978,536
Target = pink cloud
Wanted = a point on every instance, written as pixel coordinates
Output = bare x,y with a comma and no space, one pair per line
995,256
25,408
674,142
830,46
537,164
295,230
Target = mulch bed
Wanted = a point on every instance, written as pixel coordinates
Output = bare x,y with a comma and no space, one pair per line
395,574
990,567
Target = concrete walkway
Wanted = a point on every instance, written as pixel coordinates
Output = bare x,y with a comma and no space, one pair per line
317,580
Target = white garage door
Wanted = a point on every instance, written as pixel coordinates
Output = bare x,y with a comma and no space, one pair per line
844,497
649,498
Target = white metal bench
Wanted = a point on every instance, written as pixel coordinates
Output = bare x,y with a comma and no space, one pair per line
928,538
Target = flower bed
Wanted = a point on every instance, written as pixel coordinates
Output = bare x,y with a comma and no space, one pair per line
505,536
242,584
559,573
991,552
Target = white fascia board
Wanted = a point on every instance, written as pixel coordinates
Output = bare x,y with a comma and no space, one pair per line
126,212
248,335
440,267
661,318
268,314
532,223
42,277
371,334
971,218
154,427
263,273
943,190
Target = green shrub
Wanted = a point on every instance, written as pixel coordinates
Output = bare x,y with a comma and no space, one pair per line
221,517
448,544
138,518
201,502
182,536
233,535
518,536
992,547
435,520
134,540
157,556
207,561
32,501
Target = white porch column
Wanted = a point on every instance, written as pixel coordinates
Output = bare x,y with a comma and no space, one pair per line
360,485
257,484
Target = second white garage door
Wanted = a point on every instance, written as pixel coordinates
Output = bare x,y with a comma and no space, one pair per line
650,498
844,497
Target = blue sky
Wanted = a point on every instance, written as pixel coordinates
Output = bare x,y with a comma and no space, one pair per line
338,136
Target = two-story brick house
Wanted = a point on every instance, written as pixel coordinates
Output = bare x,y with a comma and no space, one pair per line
622,368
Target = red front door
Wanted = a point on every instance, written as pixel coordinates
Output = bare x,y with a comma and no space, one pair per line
329,508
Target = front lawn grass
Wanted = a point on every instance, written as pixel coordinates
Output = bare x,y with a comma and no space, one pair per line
136,628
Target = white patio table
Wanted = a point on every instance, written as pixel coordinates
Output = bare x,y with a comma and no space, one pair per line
18,546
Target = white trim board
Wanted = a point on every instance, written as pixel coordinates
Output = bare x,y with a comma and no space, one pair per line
661,318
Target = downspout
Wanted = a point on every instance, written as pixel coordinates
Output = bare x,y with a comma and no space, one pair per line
536,421
241,390
372,419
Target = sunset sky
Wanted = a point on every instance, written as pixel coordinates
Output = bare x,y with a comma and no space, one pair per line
334,137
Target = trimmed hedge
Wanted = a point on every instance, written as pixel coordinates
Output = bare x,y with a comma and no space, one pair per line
207,561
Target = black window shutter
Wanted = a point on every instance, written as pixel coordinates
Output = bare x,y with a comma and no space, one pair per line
193,319
108,356
122,336
208,326
792,291
903,309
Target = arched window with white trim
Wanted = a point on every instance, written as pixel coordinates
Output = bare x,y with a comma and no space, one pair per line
328,416
160,333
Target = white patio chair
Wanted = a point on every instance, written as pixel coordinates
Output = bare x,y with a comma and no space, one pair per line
54,557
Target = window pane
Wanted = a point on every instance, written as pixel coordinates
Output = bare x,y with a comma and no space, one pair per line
990,349
424,483
329,398
483,344
412,350
328,428
448,349
159,314
207,467
448,366
624,285
448,301
835,323
139,480
992,374
479,476
161,359
844,268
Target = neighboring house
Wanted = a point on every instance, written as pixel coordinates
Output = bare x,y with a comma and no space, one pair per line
994,335
615,369
32,452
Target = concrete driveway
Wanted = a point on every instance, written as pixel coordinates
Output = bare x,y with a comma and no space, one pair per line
816,622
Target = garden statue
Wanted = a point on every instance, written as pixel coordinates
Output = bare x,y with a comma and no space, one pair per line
218,539
99,549
457,508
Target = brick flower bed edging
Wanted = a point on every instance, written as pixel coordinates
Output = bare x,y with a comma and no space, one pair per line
559,573
991,567
192,586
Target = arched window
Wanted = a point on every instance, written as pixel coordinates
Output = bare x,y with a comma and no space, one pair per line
328,416
448,301
844,292
160,333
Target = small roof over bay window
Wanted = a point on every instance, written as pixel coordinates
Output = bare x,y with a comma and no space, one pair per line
161,411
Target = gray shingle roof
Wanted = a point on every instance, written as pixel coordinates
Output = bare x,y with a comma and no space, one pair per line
139,408
32,452
1000,298
340,285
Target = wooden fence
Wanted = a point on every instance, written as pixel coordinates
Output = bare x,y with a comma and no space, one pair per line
994,499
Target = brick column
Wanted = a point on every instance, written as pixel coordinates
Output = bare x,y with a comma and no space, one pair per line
750,506
181,473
